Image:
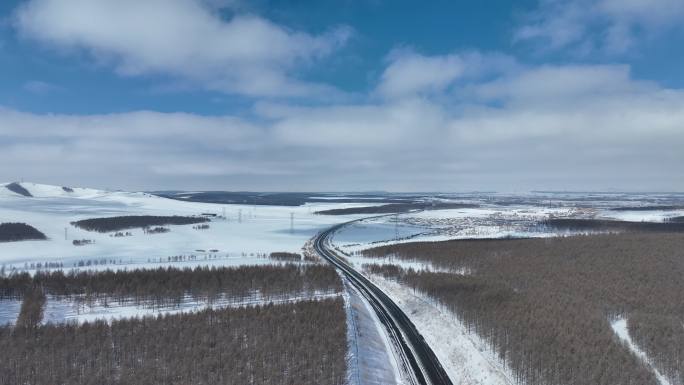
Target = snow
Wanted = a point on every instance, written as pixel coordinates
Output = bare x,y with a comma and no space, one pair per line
68,309
62,309
467,358
442,225
620,328
371,360
641,216
9,311
248,230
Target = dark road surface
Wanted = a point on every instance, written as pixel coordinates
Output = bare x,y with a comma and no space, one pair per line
419,363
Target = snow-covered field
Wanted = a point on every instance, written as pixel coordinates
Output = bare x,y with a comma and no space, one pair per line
69,309
58,310
246,231
641,216
439,225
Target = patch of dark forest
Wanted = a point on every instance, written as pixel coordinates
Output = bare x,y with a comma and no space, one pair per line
648,208
278,199
397,208
18,189
600,225
110,224
13,232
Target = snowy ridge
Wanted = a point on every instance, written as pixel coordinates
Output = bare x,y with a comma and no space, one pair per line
246,231
38,190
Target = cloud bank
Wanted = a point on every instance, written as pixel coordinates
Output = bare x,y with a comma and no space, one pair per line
547,127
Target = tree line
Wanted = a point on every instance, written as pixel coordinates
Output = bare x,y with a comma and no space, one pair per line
298,343
110,224
600,225
285,256
545,305
169,286
397,208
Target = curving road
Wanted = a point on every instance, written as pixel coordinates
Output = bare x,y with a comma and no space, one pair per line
418,361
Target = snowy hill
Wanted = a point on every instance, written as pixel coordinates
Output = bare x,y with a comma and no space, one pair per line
37,190
46,191
247,231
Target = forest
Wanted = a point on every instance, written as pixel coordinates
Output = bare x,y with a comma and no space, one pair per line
546,305
12,232
301,343
279,199
396,208
169,286
599,225
648,208
111,224
18,189
285,256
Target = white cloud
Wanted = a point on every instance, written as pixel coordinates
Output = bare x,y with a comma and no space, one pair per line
409,73
608,25
186,39
563,127
568,84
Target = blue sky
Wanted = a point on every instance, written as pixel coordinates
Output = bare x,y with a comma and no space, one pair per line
379,26
343,95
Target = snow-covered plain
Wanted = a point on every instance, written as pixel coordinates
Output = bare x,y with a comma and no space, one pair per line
246,231
641,216
439,225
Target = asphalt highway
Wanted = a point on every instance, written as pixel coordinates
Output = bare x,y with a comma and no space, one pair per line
418,361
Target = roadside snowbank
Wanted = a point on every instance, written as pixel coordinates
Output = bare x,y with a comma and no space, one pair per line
466,357
371,358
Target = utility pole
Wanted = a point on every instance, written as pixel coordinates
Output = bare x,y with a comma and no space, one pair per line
396,227
291,222
65,234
